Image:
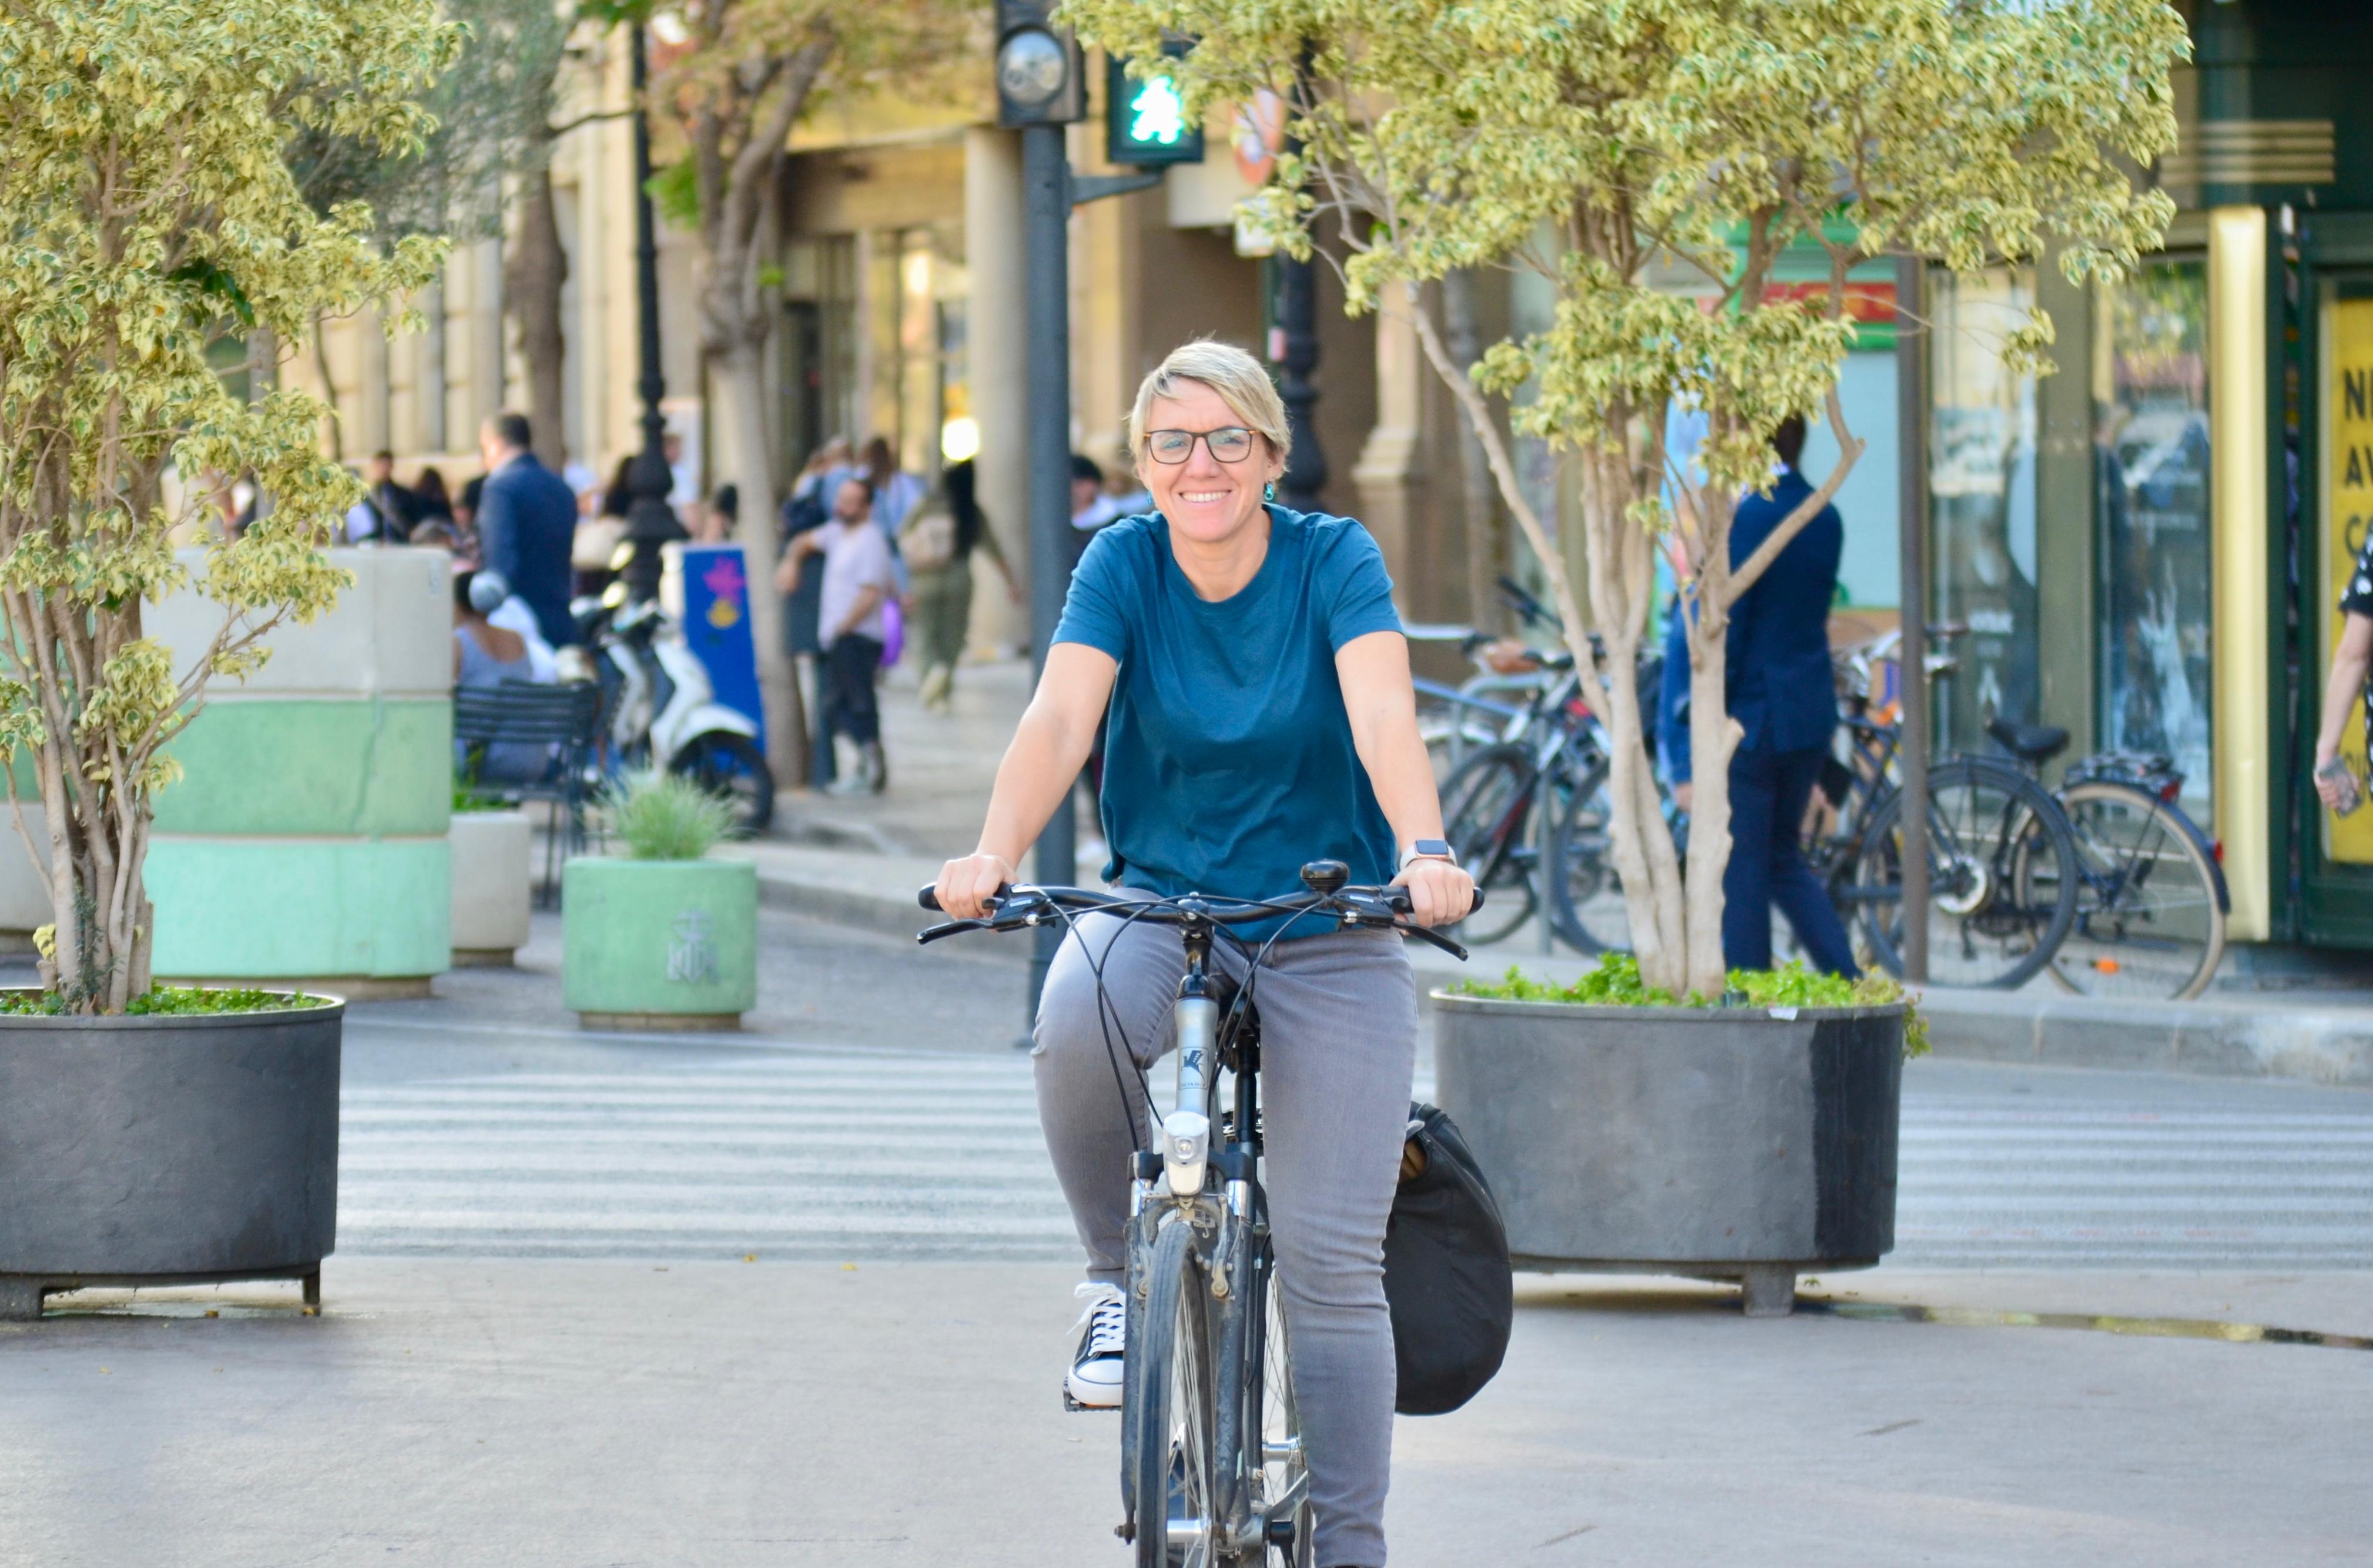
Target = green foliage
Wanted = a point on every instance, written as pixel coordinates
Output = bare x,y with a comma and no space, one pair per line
466,799
664,815
1655,158
485,119
1616,982
1662,166
179,1001
146,204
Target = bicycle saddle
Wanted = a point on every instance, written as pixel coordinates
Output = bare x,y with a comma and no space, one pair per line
2029,742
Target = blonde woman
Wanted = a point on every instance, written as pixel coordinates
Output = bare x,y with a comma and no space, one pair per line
1261,717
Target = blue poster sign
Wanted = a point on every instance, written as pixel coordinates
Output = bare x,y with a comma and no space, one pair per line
716,626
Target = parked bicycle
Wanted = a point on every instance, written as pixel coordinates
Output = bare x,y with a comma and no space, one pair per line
2151,898
1213,1470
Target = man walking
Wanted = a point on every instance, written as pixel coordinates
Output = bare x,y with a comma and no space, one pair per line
859,578
1784,698
527,520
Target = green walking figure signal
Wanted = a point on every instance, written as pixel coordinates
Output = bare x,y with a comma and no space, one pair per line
1145,118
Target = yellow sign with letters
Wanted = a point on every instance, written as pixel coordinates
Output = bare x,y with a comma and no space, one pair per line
2347,512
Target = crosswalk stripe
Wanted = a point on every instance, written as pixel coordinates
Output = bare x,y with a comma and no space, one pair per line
842,1153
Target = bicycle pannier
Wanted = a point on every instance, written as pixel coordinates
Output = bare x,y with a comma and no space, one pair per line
1446,1273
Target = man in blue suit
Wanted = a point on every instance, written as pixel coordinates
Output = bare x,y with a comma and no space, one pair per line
527,519
1783,696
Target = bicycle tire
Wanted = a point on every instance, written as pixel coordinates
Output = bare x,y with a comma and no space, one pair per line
1998,845
732,768
1580,872
1487,809
1168,1426
2131,938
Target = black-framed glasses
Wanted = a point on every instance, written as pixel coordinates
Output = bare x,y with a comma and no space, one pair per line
1229,444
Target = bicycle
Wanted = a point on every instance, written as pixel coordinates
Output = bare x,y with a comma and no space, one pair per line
1212,1470
2151,898
2002,861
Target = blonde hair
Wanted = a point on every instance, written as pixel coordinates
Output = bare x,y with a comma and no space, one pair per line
1240,380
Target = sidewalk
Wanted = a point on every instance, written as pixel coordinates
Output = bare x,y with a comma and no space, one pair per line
858,860
872,1415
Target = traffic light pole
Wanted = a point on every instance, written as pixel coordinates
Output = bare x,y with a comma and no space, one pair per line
1047,289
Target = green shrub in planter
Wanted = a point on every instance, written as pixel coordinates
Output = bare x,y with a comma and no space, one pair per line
662,937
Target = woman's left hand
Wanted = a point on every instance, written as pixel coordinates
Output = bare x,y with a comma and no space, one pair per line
1440,893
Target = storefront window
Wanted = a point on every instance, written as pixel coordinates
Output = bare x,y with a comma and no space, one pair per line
1982,504
2150,447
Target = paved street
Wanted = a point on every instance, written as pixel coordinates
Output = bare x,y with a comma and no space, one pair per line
909,1130
800,1297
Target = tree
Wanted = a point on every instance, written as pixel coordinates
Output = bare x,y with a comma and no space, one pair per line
147,209
488,139
749,71
1590,143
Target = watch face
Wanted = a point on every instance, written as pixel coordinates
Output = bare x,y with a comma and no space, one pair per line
1032,67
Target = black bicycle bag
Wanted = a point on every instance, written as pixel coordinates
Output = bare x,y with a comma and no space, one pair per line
1446,1272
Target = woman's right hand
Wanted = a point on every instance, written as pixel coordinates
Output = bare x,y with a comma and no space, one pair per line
966,884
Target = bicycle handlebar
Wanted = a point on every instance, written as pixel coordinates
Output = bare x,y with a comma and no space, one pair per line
1018,907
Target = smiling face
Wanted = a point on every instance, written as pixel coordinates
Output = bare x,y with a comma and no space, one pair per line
1206,500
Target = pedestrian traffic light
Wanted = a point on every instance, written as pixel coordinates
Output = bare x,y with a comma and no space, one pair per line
1041,79
1145,117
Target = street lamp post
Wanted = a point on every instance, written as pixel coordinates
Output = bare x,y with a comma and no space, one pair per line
650,521
1294,345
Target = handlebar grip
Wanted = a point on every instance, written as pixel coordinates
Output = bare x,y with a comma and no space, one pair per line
929,898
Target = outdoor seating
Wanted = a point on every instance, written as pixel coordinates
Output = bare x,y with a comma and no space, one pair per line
561,718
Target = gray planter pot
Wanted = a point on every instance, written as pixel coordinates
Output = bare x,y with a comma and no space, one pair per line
141,1150
1718,1143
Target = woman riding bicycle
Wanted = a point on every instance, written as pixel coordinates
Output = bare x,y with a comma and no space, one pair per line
1261,717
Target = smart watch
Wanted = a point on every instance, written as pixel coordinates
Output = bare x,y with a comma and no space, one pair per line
1428,849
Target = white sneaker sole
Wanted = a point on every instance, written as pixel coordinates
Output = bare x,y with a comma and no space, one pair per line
1082,1395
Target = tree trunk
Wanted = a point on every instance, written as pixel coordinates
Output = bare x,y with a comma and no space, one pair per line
1713,736
533,275
1480,512
738,384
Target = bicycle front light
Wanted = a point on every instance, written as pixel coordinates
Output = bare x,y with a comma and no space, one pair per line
1186,1150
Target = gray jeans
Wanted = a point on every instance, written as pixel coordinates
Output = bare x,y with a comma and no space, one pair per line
1338,1029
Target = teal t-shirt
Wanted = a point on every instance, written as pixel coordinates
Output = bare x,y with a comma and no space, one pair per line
1228,756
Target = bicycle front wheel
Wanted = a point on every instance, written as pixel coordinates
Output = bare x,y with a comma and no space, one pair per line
2002,876
1587,907
2150,919
1486,812
1169,1453
1282,1504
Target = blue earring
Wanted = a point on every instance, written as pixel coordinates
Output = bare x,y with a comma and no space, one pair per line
1269,492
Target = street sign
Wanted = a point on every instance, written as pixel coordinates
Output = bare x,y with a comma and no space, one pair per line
1146,124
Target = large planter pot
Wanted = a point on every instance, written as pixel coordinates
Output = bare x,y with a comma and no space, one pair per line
1735,1143
494,884
306,839
139,1151
660,944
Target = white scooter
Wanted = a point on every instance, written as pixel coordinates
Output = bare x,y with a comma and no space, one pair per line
664,712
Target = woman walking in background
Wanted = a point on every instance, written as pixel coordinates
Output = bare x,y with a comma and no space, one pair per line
938,542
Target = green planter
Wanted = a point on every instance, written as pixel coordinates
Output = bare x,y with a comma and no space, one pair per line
660,944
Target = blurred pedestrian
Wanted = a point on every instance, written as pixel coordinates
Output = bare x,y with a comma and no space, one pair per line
488,655
430,500
938,542
714,525
385,512
2340,790
895,491
527,523
809,507
858,584
1783,696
